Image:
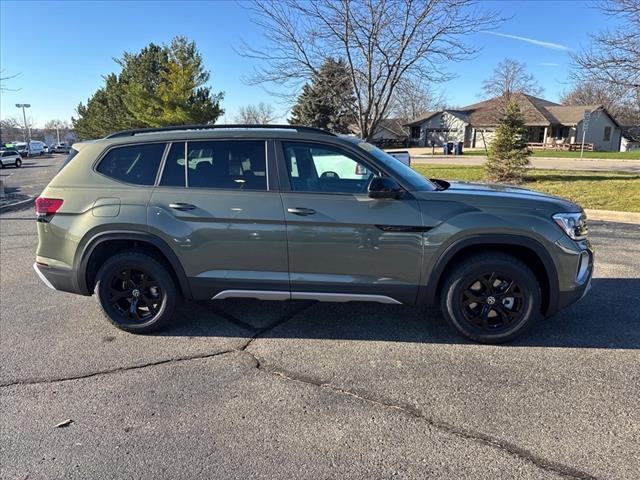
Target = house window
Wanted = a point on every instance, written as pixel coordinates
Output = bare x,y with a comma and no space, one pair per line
607,134
415,133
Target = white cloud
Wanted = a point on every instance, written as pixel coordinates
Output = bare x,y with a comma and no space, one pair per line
549,64
533,41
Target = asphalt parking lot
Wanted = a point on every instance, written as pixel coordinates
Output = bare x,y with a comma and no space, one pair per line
248,389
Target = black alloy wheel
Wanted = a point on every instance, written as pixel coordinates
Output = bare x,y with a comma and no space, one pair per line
491,297
493,301
135,294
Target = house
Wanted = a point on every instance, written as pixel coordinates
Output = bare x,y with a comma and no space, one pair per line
390,132
549,125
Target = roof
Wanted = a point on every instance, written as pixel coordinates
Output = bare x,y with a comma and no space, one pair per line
394,125
422,118
537,112
489,112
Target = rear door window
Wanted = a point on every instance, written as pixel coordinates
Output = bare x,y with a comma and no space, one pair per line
235,165
137,164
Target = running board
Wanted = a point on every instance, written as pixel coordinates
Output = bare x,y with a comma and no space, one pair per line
321,297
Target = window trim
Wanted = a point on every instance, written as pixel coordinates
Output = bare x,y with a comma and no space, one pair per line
121,145
284,175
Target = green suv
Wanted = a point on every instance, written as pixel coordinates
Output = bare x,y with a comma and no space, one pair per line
146,218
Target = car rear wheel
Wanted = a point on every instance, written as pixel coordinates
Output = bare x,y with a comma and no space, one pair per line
136,292
491,298
18,163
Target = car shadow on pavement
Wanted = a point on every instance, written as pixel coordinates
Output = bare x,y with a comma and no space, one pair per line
608,317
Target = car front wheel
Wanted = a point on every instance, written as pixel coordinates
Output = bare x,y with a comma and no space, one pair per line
136,292
18,163
491,298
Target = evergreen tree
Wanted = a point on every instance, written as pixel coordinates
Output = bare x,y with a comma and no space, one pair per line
326,101
157,86
508,154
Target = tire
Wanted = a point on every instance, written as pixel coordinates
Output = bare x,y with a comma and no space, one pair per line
507,293
1,165
18,163
119,284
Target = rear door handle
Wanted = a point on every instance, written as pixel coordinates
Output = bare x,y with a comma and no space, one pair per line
301,211
182,206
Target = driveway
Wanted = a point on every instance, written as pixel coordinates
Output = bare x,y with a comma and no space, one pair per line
632,166
248,389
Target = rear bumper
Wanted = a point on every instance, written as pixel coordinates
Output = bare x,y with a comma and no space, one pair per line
56,278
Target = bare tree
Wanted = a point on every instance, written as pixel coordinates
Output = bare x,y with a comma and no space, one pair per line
3,79
383,42
262,113
620,101
614,55
10,129
412,99
509,77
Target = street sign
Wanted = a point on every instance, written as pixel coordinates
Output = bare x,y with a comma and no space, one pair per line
585,127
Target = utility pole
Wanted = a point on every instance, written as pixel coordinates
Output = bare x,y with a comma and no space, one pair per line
58,131
27,130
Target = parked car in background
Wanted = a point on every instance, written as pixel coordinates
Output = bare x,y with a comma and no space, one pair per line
61,147
401,155
46,149
22,148
10,157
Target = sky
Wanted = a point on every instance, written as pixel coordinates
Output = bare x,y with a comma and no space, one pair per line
61,50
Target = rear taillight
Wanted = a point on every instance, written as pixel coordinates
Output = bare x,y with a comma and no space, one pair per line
47,206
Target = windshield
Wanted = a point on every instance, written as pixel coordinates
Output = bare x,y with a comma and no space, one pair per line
415,180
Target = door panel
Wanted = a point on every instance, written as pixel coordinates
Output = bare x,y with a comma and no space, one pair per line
339,239
354,244
226,238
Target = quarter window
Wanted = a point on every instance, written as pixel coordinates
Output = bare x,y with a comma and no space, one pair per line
137,164
324,169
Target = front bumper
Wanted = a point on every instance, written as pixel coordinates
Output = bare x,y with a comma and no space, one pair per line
56,278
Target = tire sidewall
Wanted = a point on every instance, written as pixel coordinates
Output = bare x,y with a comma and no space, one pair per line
18,163
522,275
135,260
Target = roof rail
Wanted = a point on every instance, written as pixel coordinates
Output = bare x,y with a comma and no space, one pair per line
140,131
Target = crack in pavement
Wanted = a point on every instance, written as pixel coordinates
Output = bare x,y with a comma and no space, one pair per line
406,409
256,333
466,434
109,371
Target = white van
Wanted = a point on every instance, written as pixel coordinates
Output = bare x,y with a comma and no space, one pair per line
36,147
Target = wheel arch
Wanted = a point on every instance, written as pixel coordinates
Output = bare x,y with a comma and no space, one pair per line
98,245
529,250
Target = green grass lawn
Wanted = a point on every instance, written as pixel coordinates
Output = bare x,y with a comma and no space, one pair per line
597,190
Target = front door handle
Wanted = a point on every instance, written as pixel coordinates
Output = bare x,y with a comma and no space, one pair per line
301,211
182,206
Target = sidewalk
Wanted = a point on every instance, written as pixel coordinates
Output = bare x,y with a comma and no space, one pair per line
631,166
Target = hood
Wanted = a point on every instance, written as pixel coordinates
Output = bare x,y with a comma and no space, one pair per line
495,195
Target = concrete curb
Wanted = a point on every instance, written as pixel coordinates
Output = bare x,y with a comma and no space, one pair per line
613,216
18,205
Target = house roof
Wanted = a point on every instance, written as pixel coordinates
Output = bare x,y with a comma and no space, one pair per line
536,112
394,125
488,112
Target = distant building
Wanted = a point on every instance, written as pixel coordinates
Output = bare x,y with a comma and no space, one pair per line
549,125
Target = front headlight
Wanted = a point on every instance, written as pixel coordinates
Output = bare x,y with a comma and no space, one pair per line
573,224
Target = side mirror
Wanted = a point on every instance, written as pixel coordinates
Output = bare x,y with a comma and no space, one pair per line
384,187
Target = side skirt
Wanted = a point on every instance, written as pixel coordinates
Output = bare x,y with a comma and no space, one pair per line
319,296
